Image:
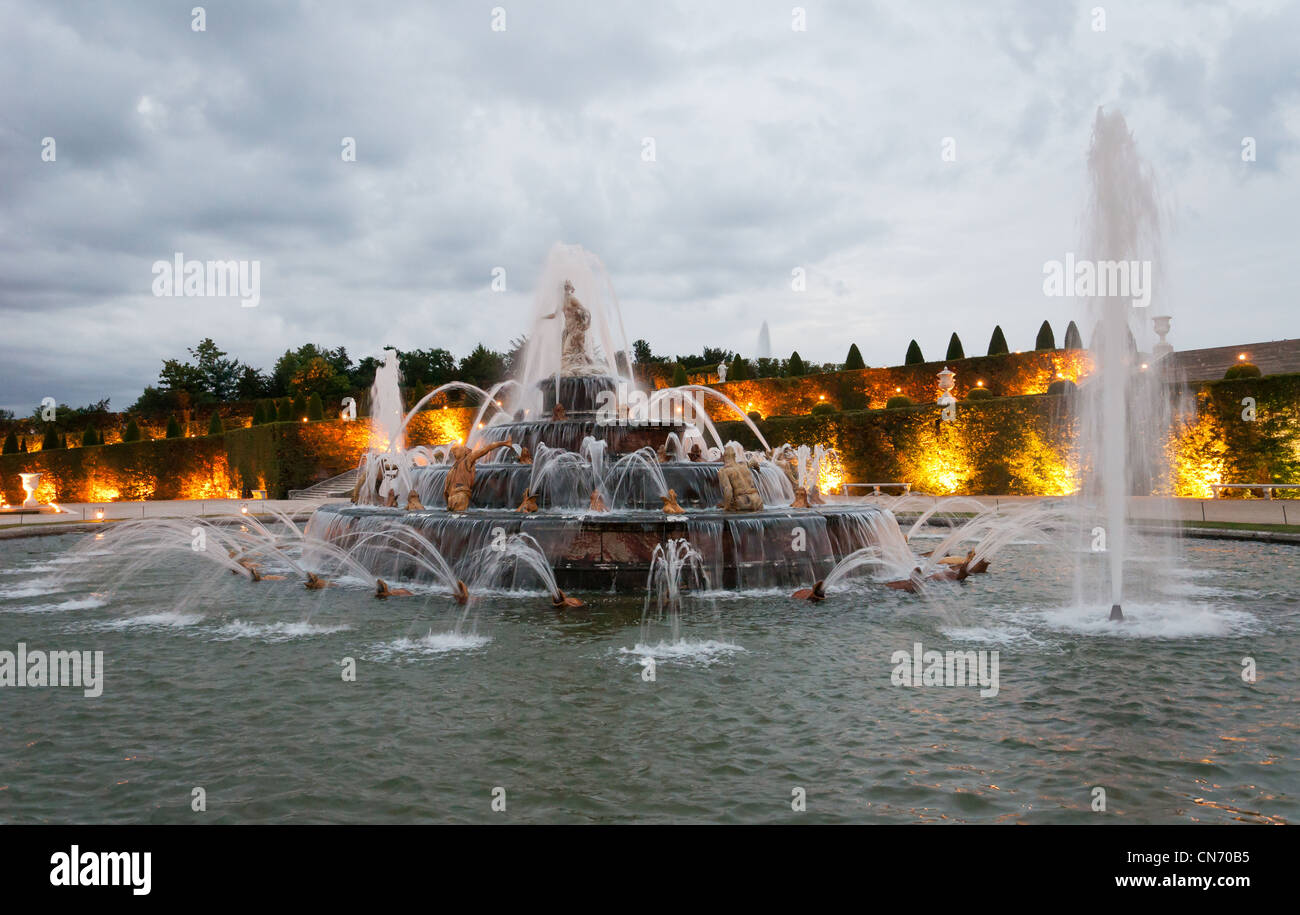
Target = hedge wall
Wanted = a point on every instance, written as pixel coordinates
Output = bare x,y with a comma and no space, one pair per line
1013,445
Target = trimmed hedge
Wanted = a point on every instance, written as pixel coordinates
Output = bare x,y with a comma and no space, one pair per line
1242,370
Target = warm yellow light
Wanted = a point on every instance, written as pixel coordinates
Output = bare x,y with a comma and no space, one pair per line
979,384
822,397
1241,357
99,514
1144,366
243,509
898,390
304,419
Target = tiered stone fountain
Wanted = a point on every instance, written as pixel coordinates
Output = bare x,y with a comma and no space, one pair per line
599,460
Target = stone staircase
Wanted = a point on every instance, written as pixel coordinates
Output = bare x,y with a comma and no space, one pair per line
339,487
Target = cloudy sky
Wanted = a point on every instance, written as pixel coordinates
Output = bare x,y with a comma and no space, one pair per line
774,149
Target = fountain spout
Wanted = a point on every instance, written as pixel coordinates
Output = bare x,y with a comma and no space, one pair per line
1116,614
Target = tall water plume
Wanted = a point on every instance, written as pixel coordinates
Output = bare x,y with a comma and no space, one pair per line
1124,417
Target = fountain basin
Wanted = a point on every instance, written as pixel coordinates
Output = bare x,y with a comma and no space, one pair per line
774,548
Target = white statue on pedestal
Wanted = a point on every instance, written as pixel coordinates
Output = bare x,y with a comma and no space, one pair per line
575,359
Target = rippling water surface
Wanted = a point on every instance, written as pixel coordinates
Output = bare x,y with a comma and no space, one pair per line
216,682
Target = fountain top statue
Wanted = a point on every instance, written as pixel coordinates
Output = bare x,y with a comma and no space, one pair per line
575,356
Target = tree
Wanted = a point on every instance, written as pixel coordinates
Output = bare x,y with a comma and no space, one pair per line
173,427
482,367
252,384
679,375
425,367
315,409
90,437
132,433
285,413
1045,339
288,367
641,352
854,359
11,444
153,401
51,440
315,376
519,351
998,343
1073,340
299,407
220,376
795,367
955,350
214,424
363,376
913,356
259,415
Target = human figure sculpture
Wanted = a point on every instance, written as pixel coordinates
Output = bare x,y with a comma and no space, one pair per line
800,498
739,494
670,504
413,503
557,413
597,503
722,373
529,504
816,593
562,601
383,592
525,456
574,356
315,583
460,593
361,477
695,453
390,500
662,453
460,477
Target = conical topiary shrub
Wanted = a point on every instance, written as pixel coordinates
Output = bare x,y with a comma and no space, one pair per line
1045,339
285,415
1073,339
679,375
299,408
90,437
214,424
914,356
11,444
315,409
173,427
998,343
51,440
739,369
854,359
955,351
795,366
132,432
259,415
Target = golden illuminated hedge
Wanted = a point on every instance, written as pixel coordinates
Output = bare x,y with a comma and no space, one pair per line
1005,376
